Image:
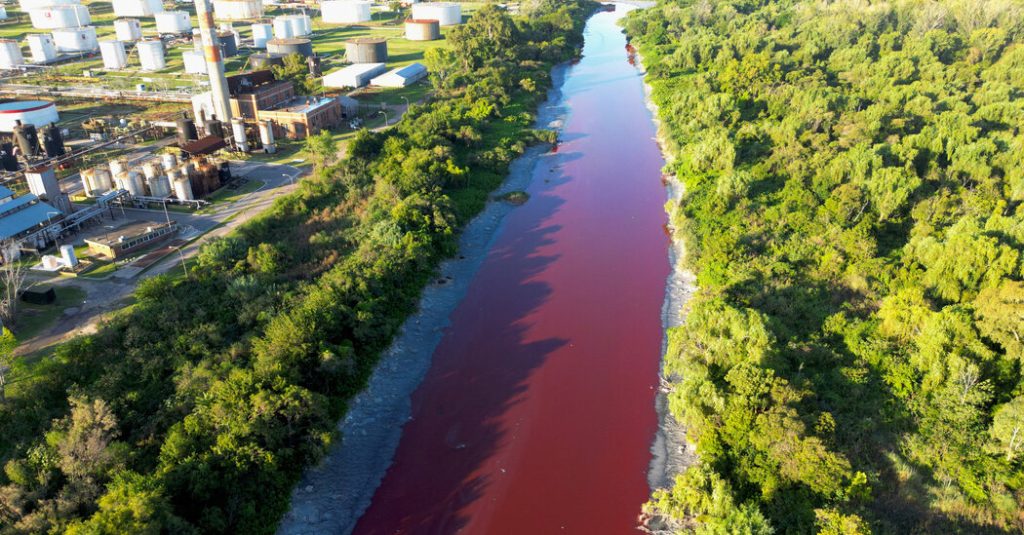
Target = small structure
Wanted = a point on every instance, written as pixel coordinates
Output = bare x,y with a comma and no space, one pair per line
25,215
130,238
128,30
356,75
401,76
173,22
10,54
114,56
76,39
44,50
151,55
303,116
42,182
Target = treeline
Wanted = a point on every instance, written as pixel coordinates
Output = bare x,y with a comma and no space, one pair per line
196,409
854,177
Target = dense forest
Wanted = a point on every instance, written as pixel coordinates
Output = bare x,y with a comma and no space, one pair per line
196,409
854,174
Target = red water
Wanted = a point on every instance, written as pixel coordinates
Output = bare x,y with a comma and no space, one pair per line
537,415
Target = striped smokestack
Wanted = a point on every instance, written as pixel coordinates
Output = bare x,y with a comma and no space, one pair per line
214,63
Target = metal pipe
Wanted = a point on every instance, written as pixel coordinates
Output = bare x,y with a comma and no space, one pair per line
214,63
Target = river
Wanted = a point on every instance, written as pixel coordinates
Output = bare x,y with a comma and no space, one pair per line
537,414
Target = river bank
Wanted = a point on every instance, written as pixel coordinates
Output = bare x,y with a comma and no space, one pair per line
332,496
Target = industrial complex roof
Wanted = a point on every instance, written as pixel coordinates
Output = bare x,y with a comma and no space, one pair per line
20,221
5,192
302,104
206,145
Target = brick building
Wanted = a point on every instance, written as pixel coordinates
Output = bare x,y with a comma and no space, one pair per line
303,116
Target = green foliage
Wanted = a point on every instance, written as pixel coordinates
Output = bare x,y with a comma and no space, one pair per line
852,362
296,71
197,409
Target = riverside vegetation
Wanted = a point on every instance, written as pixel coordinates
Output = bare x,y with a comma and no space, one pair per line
854,177
196,409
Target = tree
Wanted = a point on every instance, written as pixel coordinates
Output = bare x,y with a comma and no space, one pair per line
322,148
1008,426
12,278
296,71
7,345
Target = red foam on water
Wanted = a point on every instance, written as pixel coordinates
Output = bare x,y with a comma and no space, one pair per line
537,414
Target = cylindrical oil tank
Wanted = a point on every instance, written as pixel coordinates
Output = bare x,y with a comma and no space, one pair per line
238,132
38,4
300,25
128,30
66,16
186,132
118,166
283,27
265,61
132,181
35,112
173,22
214,128
228,46
137,8
27,138
267,136
422,30
42,47
10,54
183,187
152,169
261,33
7,159
53,141
101,179
345,11
195,62
168,160
237,9
76,39
366,50
114,56
159,186
3,13
445,13
287,47
151,55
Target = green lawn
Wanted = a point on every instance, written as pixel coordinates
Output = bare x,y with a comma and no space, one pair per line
34,319
229,195
101,271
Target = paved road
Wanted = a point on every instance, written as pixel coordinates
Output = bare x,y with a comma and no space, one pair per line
108,295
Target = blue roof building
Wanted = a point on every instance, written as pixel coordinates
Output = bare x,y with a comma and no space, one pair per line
24,215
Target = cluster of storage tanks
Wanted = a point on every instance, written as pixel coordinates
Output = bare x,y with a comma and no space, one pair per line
69,23
292,26
159,177
150,51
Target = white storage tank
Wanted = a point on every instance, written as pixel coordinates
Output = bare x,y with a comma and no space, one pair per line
88,182
195,62
261,33
101,179
66,16
3,13
118,166
182,187
174,22
10,54
76,39
132,181
128,30
445,13
237,9
38,113
43,48
151,55
168,161
238,132
159,186
137,8
422,30
267,136
283,27
345,11
38,4
114,56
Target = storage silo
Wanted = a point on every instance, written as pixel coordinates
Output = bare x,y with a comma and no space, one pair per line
76,39
367,50
101,179
301,25
168,160
445,13
228,45
182,186
345,11
42,47
114,56
264,61
238,132
3,13
159,186
65,16
37,113
267,136
151,55
283,27
10,54
422,30
137,8
38,4
128,30
117,166
132,181
173,22
261,33
287,47
88,182
237,9
195,62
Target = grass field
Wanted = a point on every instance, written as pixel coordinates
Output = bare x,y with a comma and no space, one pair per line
34,319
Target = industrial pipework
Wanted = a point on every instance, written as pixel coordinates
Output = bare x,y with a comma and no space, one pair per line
214,63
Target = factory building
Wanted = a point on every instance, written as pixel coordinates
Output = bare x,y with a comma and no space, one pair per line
25,215
129,238
303,116
401,76
356,75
